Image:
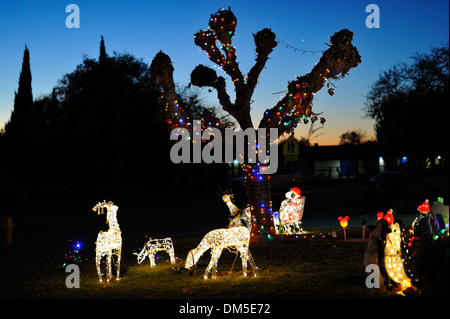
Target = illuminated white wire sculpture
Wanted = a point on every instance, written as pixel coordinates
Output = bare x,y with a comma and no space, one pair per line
152,247
393,257
238,217
235,237
287,221
108,243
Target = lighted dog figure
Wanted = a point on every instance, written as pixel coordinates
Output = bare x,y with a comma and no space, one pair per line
153,246
218,239
108,243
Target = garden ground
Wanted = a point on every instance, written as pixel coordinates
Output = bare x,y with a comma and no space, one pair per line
314,266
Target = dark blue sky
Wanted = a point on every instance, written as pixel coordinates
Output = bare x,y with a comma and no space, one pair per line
142,28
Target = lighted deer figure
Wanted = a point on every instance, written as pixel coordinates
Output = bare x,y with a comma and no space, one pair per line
108,243
235,237
153,246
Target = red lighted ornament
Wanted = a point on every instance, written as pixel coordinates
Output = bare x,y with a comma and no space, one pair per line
424,207
344,224
389,217
343,221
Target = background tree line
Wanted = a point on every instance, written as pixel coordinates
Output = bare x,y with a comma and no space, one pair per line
103,123
100,127
409,105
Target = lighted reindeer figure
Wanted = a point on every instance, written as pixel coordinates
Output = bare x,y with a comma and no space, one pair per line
235,237
108,243
153,246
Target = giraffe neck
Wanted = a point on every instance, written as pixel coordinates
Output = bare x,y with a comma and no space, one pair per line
233,209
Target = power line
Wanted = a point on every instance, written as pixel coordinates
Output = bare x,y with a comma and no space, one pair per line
282,42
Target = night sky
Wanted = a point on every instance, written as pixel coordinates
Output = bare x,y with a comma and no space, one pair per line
142,28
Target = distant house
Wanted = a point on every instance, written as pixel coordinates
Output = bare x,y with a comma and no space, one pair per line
354,161
338,161
350,161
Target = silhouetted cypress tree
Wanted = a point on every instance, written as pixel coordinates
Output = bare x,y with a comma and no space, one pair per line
23,100
102,57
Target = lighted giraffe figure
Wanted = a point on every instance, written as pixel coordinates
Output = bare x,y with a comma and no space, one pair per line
108,243
238,217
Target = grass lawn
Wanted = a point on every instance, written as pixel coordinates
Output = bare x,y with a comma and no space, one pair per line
311,267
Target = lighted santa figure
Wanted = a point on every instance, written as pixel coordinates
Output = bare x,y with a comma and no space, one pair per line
291,209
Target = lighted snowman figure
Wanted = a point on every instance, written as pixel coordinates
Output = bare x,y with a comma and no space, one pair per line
291,209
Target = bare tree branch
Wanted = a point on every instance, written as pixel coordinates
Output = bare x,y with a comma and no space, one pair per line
222,28
334,64
161,71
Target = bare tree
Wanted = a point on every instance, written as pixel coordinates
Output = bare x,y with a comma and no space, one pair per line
293,108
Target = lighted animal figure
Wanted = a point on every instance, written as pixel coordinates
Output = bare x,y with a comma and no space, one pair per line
153,246
238,217
218,239
108,243
393,257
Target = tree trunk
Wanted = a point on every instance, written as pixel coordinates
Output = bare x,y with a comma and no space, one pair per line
260,200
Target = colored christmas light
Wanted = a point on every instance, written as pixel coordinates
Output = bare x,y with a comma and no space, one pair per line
74,256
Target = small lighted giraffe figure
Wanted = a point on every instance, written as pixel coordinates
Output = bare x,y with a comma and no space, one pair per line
108,243
238,217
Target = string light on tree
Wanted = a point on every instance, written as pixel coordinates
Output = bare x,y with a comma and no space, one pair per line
295,107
